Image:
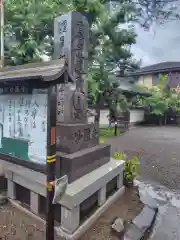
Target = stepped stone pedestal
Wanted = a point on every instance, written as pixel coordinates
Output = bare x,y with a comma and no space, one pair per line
78,149
93,193
82,162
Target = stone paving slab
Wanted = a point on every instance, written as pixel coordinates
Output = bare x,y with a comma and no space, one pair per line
168,225
144,219
133,233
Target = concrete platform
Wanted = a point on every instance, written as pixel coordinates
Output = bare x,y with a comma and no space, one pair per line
90,190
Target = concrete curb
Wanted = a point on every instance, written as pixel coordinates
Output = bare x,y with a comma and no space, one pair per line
26,211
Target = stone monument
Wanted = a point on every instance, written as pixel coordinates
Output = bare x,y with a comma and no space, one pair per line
78,146
95,179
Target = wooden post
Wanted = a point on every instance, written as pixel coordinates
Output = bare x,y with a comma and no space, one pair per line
51,160
115,128
2,33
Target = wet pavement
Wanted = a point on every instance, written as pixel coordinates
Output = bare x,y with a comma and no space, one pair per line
159,148
166,226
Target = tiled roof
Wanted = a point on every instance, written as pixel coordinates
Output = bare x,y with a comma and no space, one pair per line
158,68
127,85
46,71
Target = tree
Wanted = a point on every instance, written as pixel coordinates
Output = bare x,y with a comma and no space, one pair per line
163,101
29,25
109,52
29,33
157,11
98,86
118,38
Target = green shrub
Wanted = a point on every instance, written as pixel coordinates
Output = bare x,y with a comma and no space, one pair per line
131,165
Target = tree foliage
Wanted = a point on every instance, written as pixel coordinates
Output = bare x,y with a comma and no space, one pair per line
158,11
111,52
29,35
158,102
29,25
163,99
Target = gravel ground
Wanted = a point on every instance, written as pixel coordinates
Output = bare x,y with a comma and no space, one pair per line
160,152
15,225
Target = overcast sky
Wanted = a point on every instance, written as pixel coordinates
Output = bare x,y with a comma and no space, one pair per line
160,43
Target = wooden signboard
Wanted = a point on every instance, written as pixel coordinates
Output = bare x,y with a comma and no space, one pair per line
28,112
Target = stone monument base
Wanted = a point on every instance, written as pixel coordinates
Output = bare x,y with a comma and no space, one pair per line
76,165
89,195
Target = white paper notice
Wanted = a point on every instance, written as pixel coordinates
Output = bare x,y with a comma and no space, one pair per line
38,135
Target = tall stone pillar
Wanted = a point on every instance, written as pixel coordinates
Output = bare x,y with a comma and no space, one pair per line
78,146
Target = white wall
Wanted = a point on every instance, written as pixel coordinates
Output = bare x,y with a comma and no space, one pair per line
104,120
103,117
136,115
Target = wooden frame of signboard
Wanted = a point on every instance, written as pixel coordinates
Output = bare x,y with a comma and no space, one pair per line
28,93
26,80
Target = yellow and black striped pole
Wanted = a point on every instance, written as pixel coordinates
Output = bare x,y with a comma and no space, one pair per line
51,160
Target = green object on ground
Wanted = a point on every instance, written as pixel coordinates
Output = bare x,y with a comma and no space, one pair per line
101,140
108,132
131,165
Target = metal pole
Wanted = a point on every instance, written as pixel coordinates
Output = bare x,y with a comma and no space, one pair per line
2,33
115,128
51,160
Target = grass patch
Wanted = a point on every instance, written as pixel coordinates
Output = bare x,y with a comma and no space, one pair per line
101,140
106,133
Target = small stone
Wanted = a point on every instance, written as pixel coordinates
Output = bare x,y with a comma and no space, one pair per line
118,225
175,202
133,233
144,219
3,199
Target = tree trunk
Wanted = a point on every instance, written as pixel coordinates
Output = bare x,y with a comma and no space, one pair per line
160,120
97,117
115,129
98,108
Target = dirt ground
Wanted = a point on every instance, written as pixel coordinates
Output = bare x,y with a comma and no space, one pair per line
16,225
127,207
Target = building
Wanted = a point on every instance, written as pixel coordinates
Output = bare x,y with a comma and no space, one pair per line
149,75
